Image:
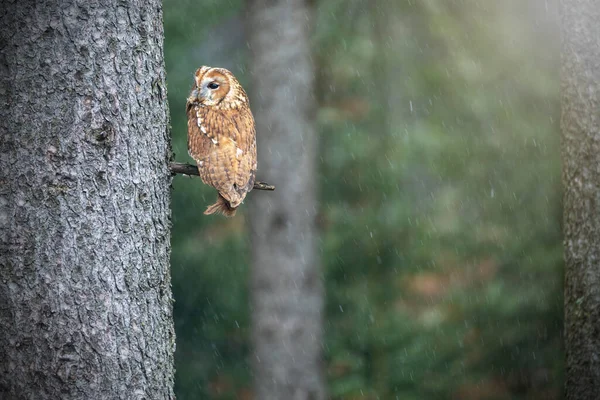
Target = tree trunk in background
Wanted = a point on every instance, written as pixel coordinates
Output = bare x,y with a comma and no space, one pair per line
85,297
287,291
580,124
384,69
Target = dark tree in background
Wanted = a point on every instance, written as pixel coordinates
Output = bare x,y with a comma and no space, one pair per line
580,126
286,287
85,298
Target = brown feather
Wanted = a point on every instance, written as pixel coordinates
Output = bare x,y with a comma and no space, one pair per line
222,137
221,207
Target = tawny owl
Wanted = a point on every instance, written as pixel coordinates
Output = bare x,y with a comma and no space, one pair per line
222,137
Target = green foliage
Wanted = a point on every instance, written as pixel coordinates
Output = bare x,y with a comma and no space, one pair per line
440,204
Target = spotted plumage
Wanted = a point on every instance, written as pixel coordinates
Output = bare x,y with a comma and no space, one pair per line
222,137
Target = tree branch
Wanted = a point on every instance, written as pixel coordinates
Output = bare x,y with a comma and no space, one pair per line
189,169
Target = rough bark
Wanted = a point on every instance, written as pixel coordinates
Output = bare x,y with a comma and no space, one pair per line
286,291
580,125
85,297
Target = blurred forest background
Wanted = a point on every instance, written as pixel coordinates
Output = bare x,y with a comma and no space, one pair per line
440,201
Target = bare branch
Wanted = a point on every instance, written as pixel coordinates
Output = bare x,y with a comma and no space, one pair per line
184,169
189,169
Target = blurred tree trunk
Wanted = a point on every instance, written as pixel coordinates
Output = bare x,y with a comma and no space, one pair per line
580,125
385,71
85,297
287,292
393,31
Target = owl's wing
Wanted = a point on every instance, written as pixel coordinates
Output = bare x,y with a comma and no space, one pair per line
224,147
246,152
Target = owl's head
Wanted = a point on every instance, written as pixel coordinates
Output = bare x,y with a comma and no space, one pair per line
217,87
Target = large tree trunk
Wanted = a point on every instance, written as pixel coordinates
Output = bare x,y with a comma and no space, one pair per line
287,292
85,298
580,124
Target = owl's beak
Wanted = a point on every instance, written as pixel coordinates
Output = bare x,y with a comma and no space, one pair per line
193,96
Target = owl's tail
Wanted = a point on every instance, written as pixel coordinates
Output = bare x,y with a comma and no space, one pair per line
221,207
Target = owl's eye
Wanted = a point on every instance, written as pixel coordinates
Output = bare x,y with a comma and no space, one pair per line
213,85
